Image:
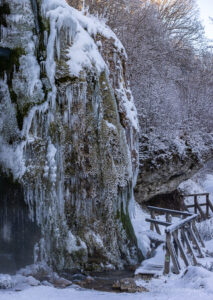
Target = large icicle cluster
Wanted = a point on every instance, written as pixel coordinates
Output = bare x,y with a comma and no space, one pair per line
72,136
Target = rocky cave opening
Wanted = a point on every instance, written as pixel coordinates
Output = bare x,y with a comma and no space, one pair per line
172,200
18,234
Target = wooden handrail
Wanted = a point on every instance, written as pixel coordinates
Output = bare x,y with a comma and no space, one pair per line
198,206
193,205
192,195
158,222
169,211
180,224
180,235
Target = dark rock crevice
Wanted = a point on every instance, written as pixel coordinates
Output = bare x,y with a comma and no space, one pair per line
18,234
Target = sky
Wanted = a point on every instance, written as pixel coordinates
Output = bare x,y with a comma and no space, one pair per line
206,11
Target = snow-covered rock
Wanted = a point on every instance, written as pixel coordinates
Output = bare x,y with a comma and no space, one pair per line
6,281
165,162
68,132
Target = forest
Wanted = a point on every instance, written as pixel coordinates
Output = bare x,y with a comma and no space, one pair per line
169,61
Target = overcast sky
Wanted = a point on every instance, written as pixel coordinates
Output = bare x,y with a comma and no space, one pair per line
206,11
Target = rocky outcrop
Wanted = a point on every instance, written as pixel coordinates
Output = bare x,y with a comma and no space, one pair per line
68,132
166,162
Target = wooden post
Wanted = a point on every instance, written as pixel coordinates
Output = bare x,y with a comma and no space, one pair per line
207,206
167,258
190,250
210,204
195,203
152,217
195,241
156,225
197,234
167,254
172,253
180,246
181,235
175,243
199,208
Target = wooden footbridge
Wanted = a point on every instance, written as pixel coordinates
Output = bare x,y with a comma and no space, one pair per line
182,239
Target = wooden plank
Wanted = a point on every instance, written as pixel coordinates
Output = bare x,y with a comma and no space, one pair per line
180,224
159,222
192,195
181,248
189,247
172,254
195,241
170,211
197,234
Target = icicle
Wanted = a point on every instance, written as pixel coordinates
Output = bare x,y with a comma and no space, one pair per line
43,66
45,38
58,44
35,11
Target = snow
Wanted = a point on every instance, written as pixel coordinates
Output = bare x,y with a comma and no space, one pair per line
128,105
195,284
140,228
111,126
74,245
191,187
5,281
30,71
80,31
202,182
50,167
11,158
84,54
157,261
208,183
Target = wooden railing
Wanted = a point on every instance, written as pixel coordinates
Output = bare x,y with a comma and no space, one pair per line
204,214
179,235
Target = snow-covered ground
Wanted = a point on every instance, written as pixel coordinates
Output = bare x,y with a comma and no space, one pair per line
196,284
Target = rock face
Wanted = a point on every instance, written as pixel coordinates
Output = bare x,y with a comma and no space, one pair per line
166,162
68,132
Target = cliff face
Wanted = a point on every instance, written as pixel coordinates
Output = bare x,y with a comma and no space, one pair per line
166,162
68,131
